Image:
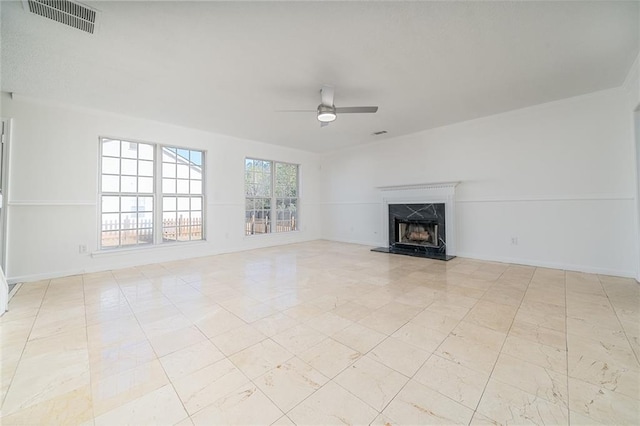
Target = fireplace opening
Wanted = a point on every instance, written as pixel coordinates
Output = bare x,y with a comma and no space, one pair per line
417,233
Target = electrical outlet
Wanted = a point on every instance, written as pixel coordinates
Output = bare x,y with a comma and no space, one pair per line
514,241
82,249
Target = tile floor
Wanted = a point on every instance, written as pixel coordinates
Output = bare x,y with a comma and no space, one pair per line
322,333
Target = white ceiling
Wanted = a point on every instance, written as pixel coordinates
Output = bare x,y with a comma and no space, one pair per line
226,67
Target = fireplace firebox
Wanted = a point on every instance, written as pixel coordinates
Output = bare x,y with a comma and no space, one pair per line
421,233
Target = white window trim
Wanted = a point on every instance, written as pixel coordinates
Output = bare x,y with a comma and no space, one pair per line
157,201
273,197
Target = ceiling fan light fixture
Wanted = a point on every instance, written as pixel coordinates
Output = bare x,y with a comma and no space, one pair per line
326,114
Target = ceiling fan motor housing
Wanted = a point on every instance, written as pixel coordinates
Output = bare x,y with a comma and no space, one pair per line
326,113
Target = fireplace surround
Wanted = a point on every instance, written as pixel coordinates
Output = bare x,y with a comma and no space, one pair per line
418,220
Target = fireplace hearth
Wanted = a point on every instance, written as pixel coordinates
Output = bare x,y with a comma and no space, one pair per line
417,230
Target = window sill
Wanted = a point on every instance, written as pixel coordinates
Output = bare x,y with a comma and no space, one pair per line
146,248
265,234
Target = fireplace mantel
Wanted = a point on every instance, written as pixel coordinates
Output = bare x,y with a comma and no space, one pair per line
433,192
435,185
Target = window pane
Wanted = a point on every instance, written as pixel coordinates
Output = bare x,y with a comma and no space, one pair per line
145,185
196,158
169,154
110,183
129,167
183,203
128,183
110,221
129,237
110,239
183,171
196,187
145,151
110,204
169,203
128,221
145,220
145,204
129,149
111,148
168,186
196,203
110,165
182,186
286,180
168,170
183,154
129,204
145,236
145,168
183,233
169,234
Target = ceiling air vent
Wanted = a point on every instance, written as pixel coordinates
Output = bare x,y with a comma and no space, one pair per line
66,12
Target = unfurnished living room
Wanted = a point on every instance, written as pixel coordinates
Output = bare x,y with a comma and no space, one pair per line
319,213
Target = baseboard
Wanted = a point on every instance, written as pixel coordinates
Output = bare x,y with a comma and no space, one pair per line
359,242
552,265
517,261
60,274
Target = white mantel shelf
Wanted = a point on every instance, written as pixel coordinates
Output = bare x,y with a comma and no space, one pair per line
434,185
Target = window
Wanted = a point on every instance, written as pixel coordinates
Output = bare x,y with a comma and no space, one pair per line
181,194
270,187
143,204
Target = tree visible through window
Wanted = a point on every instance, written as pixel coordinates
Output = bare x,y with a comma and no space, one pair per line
271,196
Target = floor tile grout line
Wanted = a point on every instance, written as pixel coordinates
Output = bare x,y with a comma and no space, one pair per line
35,318
502,346
154,351
332,379
615,311
86,331
567,294
433,353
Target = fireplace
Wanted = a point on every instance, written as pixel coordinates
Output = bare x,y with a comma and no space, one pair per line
419,219
417,230
420,233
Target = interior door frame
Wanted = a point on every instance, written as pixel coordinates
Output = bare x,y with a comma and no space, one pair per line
4,186
5,135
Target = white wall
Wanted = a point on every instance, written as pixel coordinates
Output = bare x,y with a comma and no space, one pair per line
632,87
53,193
559,177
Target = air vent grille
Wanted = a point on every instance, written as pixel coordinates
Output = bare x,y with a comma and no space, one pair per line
66,12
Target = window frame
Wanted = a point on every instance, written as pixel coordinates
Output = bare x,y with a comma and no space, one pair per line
157,195
273,198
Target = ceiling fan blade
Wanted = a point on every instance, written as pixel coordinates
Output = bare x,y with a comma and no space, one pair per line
326,94
296,110
360,109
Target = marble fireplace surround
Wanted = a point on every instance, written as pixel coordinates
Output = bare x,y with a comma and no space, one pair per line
424,193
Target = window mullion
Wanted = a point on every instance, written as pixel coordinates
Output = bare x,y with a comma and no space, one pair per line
274,213
157,195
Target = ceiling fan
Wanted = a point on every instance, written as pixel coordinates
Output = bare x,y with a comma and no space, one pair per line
328,112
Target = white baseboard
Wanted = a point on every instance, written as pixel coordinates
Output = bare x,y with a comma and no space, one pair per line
517,261
359,242
552,265
140,262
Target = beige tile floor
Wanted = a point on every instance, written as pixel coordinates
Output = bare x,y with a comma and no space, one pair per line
323,333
